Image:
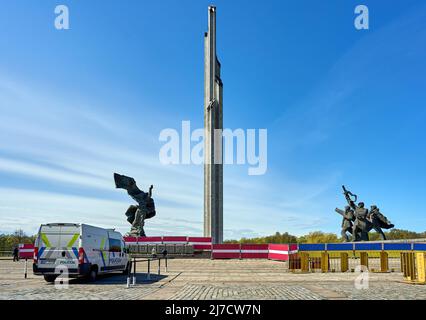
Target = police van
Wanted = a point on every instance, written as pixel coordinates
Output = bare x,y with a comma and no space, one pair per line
79,250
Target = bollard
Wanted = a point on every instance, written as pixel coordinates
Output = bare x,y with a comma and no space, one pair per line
149,270
129,272
413,265
384,262
165,257
344,262
26,266
404,263
134,271
304,262
409,262
324,262
364,259
159,266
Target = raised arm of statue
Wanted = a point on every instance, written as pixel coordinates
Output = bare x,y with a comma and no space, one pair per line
350,198
341,212
129,184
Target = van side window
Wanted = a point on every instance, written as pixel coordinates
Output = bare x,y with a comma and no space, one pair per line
114,245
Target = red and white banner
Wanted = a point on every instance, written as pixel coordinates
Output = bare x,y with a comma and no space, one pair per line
150,240
26,251
175,240
143,240
281,251
130,240
254,251
226,251
200,243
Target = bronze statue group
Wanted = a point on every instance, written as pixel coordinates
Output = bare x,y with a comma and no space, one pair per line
359,221
136,215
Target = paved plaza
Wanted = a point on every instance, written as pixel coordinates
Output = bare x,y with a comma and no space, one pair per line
205,279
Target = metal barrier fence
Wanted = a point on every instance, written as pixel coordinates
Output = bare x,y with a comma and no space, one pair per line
279,252
172,249
198,243
131,275
6,253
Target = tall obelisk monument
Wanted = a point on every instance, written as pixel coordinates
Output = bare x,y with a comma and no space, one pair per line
213,125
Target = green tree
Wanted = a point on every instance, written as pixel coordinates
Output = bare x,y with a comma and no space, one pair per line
9,241
319,237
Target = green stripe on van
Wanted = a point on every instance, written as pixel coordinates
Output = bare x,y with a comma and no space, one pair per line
74,239
103,248
45,240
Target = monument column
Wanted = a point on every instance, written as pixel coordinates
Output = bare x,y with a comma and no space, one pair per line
213,125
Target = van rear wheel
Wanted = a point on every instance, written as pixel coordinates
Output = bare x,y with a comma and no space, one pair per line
50,278
93,274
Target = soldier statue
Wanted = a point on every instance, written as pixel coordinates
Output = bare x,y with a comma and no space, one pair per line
347,222
379,221
136,215
361,224
362,220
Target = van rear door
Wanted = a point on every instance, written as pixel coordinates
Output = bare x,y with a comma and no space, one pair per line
58,245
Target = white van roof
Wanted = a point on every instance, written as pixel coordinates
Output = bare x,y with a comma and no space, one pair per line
81,225
61,224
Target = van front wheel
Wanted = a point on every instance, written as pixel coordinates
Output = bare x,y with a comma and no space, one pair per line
50,278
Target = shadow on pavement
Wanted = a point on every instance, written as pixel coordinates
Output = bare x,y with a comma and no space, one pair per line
114,279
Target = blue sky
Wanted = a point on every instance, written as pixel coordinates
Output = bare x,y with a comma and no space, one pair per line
341,106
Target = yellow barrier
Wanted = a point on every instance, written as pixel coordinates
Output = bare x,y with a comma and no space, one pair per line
413,267
324,262
364,259
304,262
412,263
344,262
420,264
384,262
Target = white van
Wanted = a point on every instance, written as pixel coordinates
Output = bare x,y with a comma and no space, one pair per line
80,249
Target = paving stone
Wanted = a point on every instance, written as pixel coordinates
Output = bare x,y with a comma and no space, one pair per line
205,279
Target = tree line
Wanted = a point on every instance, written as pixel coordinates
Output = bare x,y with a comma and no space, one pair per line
9,241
